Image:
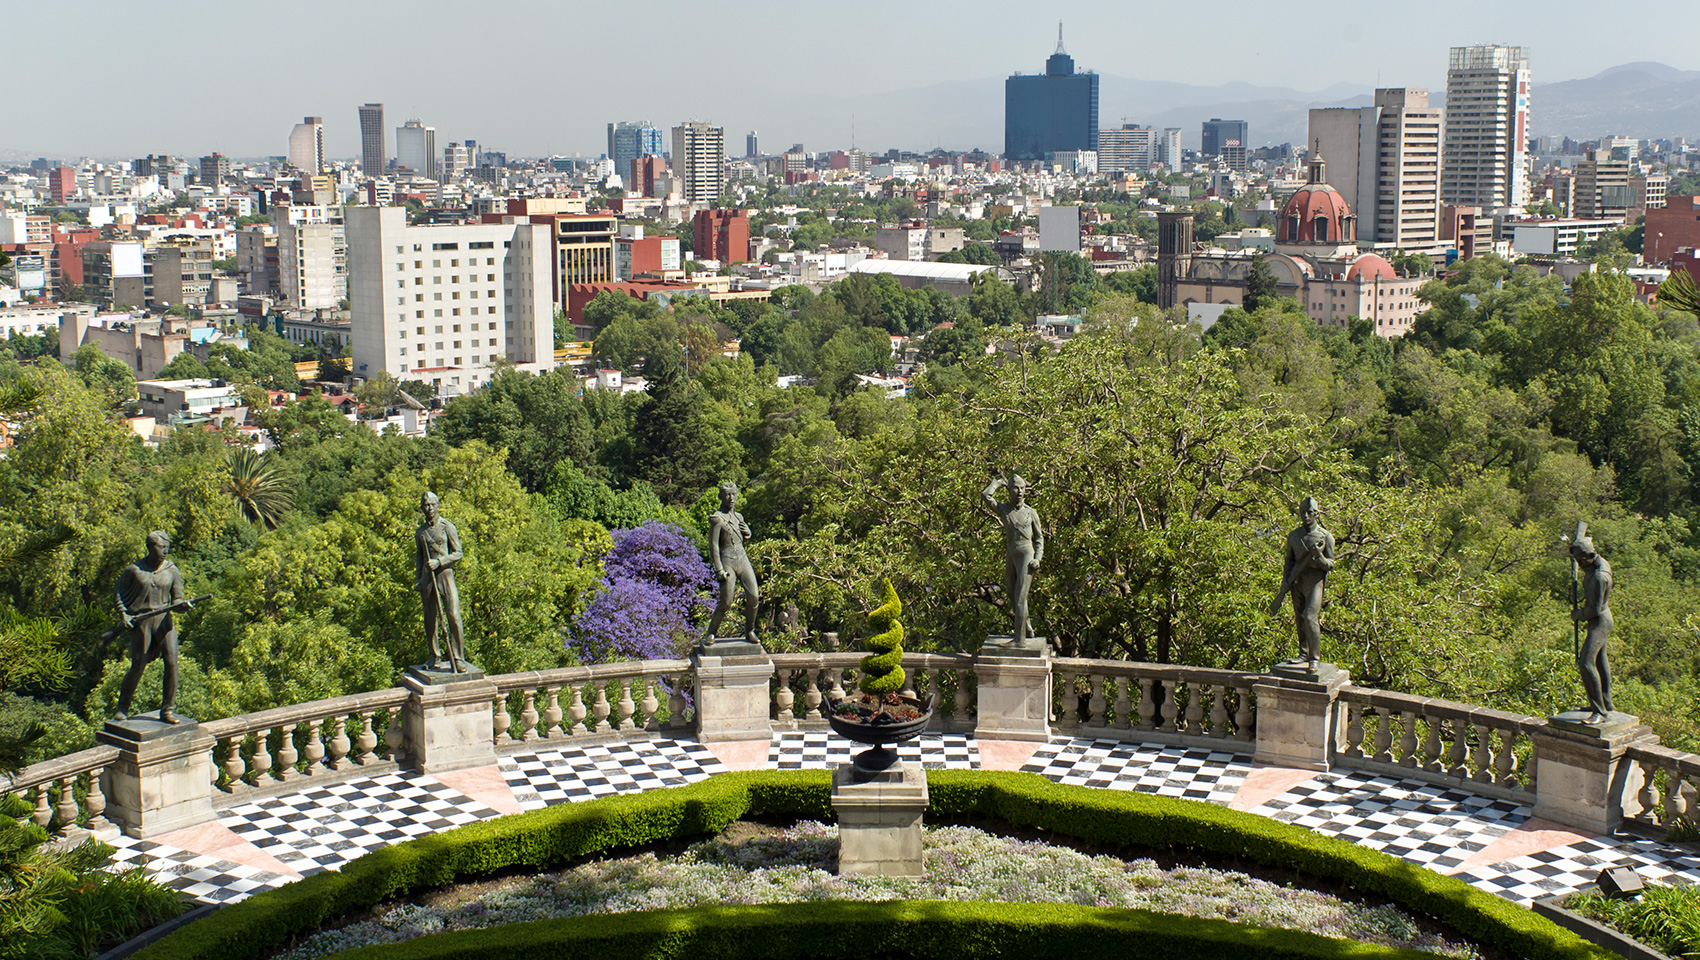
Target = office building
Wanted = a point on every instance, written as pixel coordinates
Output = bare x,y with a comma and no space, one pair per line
1056,110
629,141
1602,188
457,160
636,255
1131,148
113,274
182,271
372,153
1385,161
1485,152
645,174
215,169
447,304
1169,149
416,148
722,235
1219,133
62,184
699,159
752,146
307,145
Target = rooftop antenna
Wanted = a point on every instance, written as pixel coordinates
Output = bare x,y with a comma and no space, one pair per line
1059,38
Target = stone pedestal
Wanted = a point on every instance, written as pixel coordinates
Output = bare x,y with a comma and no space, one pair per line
1014,699
1581,776
879,819
733,698
448,720
162,779
1297,723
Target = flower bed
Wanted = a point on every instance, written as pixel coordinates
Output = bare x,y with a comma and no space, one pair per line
963,864
1667,919
1108,819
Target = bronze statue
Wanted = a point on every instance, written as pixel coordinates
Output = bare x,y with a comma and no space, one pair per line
1593,614
149,592
1024,546
727,534
436,551
1309,556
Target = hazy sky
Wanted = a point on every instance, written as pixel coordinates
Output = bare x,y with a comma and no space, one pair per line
123,78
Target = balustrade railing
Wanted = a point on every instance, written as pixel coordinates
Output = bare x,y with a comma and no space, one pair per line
306,741
1437,740
66,792
805,683
1669,793
605,698
1159,702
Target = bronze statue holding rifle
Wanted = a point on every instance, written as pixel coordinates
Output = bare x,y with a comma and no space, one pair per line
1309,555
436,551
149,592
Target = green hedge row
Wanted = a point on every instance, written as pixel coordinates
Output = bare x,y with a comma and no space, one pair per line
552,836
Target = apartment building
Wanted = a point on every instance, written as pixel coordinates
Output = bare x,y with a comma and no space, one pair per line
1385,161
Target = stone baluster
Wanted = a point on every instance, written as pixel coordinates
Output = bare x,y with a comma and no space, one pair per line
499,719
1648,795
1068,701
1672,796
43,814
1096,701
394,742
675,704
1124,703
577,712
66,809
1218,711
1431,746
1383,735
528,716
651,706
315,747
600,708
552,714
811,695
1690,799
625,707
959,696
1408,739
339,744
1170,709
835,685
1458,757
95,803
287,755
908,684
1195,708
368,739
232,747
1354,744
1505,762
1484,754
1245,719
784,699
260,765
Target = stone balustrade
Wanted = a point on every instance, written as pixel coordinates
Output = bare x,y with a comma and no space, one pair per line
1489,751
180,777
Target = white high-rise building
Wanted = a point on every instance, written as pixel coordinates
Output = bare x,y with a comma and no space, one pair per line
1131,148
699,158
1384,161
307,145
1169,149
312,256
416,148
1485,156
446,304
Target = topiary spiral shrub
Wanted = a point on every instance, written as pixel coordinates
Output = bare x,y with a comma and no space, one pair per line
882,670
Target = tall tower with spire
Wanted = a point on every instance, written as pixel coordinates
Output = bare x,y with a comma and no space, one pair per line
1049,112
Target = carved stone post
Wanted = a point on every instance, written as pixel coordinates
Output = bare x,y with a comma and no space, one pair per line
732,692
1014,682
449,720
1298,721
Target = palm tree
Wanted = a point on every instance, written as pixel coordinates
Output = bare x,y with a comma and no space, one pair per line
1679,292
257,488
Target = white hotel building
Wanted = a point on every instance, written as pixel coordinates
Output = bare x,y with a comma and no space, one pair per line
444,303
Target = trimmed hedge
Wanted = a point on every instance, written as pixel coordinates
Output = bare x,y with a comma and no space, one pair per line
555,835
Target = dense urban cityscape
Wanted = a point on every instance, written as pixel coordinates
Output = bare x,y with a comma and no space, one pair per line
990,451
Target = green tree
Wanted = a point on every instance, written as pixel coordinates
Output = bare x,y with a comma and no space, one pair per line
1260,287
184,366
537,419
681,445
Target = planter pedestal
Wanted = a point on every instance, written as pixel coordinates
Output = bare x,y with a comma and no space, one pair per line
879,819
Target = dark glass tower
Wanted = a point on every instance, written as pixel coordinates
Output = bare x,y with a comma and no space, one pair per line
1056,111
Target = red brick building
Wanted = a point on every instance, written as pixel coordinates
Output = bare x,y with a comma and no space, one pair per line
62,184
1671,227
646,170
722,235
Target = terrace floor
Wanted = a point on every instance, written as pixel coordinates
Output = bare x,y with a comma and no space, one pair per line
1494,844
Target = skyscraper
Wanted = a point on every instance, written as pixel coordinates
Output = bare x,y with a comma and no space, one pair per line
1169,149
416,148
1384,160
1483,162
307,145
699,159
628,141
1130,148
752,145
1057,110
1223,133
372,139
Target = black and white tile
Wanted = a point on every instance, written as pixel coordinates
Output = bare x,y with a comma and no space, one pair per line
574,773
208,879
1434,826
823,749
321,828
1569,868
1189,772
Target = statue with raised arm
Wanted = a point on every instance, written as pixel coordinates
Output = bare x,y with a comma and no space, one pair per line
436,551
149,592
1592,613
1309,555
727,534
1024,545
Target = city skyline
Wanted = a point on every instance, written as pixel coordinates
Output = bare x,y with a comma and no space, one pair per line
769,90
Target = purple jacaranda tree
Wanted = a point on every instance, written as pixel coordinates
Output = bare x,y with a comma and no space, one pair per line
653,596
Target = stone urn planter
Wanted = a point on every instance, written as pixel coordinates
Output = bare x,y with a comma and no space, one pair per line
879,722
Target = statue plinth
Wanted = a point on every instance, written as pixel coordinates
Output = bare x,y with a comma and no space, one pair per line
1297,722
729,647
1005,645
1322,672
732,698
1014,689
160,781
1583,775
437,676
448,719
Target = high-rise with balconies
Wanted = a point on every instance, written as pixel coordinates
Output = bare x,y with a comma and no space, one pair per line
1484,158
699,159
1385,161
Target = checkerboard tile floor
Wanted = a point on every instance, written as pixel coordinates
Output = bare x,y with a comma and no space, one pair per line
207,879
1193,773
820,750
321,828
1434,826
598,770
1567,868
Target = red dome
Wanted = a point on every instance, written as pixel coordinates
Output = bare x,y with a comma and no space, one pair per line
1370,267
1317,213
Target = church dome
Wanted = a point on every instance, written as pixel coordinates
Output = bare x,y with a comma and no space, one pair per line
1370,268
1317,214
